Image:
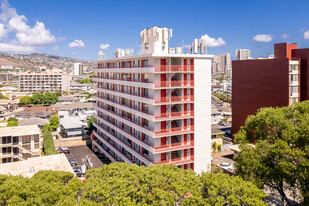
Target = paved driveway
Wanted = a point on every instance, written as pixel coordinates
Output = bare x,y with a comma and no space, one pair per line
80,152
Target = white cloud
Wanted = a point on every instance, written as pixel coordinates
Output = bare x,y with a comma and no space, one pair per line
3,31
212,42
104,46
27,37
306,35
36,36
285,36
4,47
263,38
55,48
76,43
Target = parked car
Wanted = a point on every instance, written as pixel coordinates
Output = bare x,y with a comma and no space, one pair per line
225,165
77,171
57,148
73,162
64,150
1,112
222,123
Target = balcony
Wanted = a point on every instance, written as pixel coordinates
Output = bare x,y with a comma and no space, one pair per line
174,115
129,148
177,161
148,69
146,84
97,144
114,149
174,146
174,131
163,84
173,99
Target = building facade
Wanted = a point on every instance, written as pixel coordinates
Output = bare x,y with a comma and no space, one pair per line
243,54
19,143
47,82
155,108
78,69
272,82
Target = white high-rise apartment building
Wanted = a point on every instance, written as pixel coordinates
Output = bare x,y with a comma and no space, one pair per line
243,54
155,107
78,69
47,82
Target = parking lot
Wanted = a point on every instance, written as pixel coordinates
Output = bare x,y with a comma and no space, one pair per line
80,153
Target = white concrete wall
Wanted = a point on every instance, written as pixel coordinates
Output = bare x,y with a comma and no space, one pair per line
202,114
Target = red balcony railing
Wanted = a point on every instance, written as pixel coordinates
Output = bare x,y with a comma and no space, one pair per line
173,146
173,68
175,130
157,68
173,99
184,114
176,161
159,84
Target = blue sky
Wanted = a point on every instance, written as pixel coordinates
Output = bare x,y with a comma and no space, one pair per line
49,26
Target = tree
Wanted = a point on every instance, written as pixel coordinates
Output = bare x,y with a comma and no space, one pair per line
219,147
12,121
280,158
58,93
222,189
123,184
85,81
43,188
25,100
50,98
48,141
214,146
89,96
1,95
37,98
90,123
54,122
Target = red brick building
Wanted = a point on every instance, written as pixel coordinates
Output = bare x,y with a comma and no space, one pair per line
275,82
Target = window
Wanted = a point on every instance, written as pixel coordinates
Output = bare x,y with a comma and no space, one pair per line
6,140
146,62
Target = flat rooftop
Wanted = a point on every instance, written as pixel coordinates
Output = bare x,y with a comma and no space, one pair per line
19,130
30,166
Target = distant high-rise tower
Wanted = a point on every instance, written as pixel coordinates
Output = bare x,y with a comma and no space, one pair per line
78,69
215,65
225,63
100,55
243,54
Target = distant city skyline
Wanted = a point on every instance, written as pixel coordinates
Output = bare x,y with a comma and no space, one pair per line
79,29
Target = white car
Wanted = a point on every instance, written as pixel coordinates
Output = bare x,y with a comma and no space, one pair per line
226,166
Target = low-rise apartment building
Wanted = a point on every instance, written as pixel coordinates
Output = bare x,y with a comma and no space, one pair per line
19,143
47,82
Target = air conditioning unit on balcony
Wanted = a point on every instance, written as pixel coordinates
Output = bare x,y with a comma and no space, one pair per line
171,51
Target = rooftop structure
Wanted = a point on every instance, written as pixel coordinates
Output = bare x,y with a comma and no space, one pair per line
155,107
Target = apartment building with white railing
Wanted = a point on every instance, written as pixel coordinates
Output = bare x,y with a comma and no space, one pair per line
155,107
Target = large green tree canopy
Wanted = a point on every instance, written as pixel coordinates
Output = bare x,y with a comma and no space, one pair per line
280,158
123,184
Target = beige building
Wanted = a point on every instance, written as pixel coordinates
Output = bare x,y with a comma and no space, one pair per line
47,82
222,64
19,143
243,54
